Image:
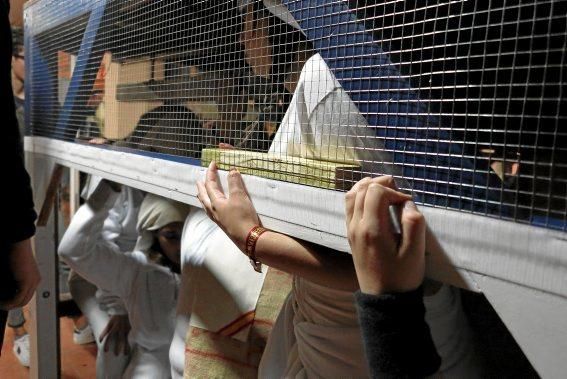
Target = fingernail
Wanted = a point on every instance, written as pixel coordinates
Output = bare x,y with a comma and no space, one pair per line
410,205
394,182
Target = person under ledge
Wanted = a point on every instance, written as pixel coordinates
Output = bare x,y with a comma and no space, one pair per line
105,312
317,332
146,279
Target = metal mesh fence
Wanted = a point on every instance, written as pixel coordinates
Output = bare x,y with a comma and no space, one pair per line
462,101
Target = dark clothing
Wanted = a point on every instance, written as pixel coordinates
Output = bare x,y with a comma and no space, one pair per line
20,116
18,191
477,84
272,101
19,204
397,340
169,129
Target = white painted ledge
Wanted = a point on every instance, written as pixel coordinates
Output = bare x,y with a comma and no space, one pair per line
531,256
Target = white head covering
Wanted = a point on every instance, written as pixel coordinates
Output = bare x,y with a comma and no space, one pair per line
155,213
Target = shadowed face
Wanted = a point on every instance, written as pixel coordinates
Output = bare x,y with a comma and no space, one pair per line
257,48
19,64
169,239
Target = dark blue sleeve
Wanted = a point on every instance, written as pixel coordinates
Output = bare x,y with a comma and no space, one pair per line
397,340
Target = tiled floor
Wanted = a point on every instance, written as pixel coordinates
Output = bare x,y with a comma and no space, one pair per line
77,361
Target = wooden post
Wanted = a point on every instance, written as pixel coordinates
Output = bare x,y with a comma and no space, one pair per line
43,325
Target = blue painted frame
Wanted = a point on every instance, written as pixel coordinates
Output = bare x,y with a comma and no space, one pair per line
55,9
388,102
82,78
396,112
38,71
36,66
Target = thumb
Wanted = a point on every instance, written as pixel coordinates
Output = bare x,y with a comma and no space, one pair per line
413,230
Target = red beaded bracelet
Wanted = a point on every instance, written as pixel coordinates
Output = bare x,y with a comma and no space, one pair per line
250,247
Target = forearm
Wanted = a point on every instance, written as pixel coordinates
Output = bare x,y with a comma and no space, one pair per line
85,230
314,263
113,304
236,216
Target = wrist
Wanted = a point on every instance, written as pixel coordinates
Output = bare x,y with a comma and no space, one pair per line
240,235
252,238
370,288
378,289
372,284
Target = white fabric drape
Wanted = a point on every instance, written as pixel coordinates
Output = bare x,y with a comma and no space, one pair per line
220,289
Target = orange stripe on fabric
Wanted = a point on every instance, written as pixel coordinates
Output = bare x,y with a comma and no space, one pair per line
263,322
237,324
218,356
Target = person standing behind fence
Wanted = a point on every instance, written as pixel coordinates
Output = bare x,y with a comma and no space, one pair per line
18,74
16,319
19,275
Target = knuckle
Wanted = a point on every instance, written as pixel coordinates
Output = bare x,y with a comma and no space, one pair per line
415,218
351,232
238,192
389,181
386,180
361,184
377,189
370,236
369,233
362,232
375,186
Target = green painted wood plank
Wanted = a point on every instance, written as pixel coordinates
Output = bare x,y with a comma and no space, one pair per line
322,174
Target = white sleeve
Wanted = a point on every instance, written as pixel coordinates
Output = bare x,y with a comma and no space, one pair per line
84,249
112,227
323,123
110,302
120,225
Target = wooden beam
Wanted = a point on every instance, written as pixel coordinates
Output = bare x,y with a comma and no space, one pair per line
50,194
